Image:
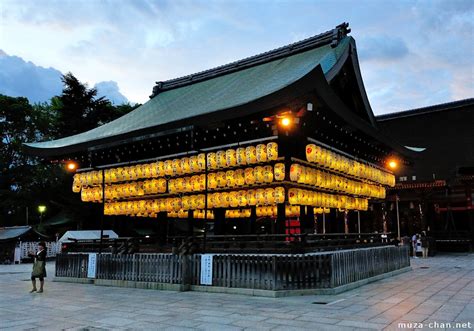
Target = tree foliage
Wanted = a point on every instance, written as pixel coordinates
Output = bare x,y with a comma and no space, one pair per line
26,181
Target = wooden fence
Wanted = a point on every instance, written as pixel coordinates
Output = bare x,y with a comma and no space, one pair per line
72,265
156,268
264,271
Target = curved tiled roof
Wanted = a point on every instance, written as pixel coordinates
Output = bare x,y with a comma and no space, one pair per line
219,89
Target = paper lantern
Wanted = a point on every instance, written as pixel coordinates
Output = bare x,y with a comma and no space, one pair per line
251,155
269,196
186,202
212,161
240,156
211,181
168,164
295,172
195,181
233,199
279,195
259,174
242,196
272,151
221,179
193,163
224,199
249,176
293,196
179,185
185,165
261,152
260,196
279,171
230,177
201,160
172,186
311,153
239,177
221,159
268,174
231,157
251,198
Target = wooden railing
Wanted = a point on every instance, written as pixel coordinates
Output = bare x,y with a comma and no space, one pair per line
254,271
71,265
353,265
282,243
157,268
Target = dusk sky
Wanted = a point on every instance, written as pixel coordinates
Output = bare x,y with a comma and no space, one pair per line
412,53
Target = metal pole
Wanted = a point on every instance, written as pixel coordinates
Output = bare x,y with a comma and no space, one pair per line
324,222
398,218
346,222
358,221
103,211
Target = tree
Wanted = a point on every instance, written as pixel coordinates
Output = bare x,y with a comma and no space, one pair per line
25,179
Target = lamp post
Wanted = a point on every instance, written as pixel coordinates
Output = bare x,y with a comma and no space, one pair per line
41,210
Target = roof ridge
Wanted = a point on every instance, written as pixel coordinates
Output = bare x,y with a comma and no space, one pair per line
427,109
329,37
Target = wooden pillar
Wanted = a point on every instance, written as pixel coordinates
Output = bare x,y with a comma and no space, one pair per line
280,220
219,221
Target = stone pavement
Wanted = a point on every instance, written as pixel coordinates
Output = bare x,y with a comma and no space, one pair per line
439,289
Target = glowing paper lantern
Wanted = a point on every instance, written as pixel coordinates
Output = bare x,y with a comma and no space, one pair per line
239,177
231,157
221,179
260,196
259,174
221,159
295,172
279,195
211,181
251,155
251,197
261,152
240,156
279,171
272,151
268,174
230,177
249,176
212,160
201,160
293,196
269,196
185,166
193,163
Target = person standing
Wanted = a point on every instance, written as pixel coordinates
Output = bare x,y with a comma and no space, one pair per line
413,244
39,267
424,244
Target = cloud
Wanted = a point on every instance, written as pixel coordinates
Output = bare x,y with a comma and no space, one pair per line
412,52
19,78
382,48
111,91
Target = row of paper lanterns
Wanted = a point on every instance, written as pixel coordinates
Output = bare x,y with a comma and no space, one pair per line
329,159
196,183
298,196
243,198
319,178
182,166
237,199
